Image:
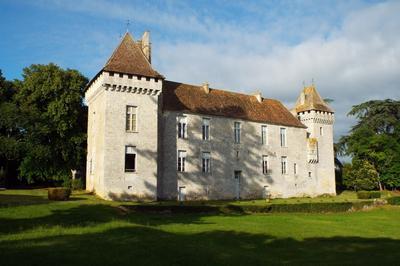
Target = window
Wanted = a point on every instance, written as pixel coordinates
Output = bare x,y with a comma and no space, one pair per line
309,174
237,155
284,165
237,132
206,162
181,161
283,137
131,121
182,127
308,135
121,75
295,168
205,128
264,135
321,131
130,159
265,164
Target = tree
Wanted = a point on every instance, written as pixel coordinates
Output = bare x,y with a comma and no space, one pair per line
376,139
360,175
10,131
53,122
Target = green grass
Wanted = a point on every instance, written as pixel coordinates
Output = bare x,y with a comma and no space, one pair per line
90,231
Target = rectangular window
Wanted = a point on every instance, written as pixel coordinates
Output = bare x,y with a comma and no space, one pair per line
321,131
130,159
237,132
283,137
264,135
182,127
131,121
295,168
206,128
284,165
206,162
265,164
181,161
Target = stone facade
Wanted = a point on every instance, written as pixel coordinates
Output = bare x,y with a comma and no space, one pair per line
236,169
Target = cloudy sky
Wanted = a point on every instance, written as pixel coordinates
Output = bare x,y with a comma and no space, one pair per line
350,48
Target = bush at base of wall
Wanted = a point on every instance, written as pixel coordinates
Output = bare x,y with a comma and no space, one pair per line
368,194
58,193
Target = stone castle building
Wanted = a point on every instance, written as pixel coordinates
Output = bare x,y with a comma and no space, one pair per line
152,138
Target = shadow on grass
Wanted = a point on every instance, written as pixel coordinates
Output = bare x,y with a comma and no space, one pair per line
139,245
12,200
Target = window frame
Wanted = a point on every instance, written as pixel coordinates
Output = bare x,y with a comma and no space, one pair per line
134,153
284,163
182,125
129,118
237,126
283,136
181,161
205,128
265,164
206,162
264,134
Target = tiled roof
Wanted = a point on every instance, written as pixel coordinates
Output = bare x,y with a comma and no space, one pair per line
194,99
129,58
310,99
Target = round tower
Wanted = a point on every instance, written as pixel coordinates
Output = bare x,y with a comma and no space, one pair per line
315,113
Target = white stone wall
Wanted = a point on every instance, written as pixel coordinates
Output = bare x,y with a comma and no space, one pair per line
117,93
220,184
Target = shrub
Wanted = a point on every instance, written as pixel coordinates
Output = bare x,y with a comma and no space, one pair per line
394,200
59,193
361,175
75,184
368,194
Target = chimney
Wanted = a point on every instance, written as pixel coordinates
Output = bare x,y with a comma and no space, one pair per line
258,96
146,45
206,88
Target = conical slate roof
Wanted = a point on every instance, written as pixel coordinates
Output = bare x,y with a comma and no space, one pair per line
310,99
128,58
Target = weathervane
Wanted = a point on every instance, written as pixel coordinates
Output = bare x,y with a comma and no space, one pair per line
128,22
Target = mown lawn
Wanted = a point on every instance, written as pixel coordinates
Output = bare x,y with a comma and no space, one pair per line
89,231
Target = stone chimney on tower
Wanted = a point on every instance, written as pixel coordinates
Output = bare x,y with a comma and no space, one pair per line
146,45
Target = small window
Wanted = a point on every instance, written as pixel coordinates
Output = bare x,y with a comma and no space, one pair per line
284,165
156,79
295,168
130,159
181,161
264,135
321,131
283,137
131,121
206,162
237,155
205,128
182,127
237,132
309,174
308,134
265,164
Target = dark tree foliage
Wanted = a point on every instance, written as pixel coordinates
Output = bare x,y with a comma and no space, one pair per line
10,132
53,122
376,139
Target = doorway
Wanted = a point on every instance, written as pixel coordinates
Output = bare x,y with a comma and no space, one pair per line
238,177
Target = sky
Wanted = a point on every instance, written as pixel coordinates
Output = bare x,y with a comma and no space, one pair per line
350,49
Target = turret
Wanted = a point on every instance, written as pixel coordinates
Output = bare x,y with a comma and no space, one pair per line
318,116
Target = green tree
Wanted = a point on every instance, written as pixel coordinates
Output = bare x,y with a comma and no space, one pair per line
53,121
360,175
376,139
10,130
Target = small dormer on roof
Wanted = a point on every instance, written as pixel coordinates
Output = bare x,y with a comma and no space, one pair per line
310,99
132,57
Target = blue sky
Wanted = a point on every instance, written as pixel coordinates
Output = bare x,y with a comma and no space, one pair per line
350,48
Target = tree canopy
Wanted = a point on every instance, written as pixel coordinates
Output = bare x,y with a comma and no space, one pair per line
376,138
46,112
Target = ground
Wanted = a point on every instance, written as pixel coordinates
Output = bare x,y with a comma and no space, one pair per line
90,231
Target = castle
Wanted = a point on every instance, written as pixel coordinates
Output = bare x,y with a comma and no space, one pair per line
151,138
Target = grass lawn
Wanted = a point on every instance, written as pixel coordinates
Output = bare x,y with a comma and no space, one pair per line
89,231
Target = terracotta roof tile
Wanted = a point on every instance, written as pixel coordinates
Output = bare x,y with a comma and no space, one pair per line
194,99
128,58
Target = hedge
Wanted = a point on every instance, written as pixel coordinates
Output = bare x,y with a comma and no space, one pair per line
268,208
368,194
394,200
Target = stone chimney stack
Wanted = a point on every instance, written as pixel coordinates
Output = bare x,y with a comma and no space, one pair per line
146,45
258,96
206,87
